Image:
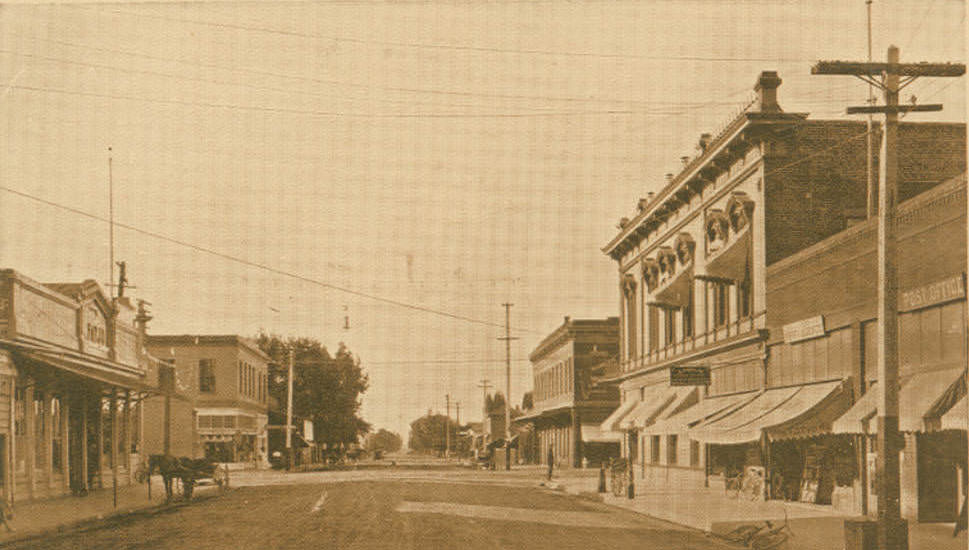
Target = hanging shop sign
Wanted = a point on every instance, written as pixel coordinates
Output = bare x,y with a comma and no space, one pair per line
805,329
938,292
690,376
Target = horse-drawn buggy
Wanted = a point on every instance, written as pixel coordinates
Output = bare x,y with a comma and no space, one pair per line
188,471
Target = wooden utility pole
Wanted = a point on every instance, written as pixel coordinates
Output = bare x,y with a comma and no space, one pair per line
892,77
447,427
507,338
289,412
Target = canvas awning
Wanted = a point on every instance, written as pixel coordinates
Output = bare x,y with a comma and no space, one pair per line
676,292
611,423
956,418
923,398
797,411
731,261
656,400
592,433
679,422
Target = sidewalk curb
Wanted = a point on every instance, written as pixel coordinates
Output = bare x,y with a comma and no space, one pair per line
102,521
599,498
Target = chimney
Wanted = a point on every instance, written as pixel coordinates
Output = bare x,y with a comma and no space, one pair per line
643,203
669,177
650,195
766,89
704,141
685,160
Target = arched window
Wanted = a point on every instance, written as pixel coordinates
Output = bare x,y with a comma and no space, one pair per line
685,247
740,209
717,230
667,264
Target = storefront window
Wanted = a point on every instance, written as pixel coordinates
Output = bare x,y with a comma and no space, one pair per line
671,449
654,449
694,453
953,337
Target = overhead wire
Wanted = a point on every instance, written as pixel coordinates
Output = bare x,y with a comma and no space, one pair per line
257,265
439,46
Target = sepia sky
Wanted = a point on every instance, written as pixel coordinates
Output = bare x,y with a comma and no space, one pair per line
448,156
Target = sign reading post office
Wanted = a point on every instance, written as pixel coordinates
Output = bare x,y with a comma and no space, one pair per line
690,376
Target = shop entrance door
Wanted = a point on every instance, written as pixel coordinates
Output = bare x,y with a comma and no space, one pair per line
938,478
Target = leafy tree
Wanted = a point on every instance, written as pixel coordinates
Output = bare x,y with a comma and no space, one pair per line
527,401
384,441
427,435
326,389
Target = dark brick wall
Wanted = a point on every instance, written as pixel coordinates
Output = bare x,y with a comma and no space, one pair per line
816,175
837,278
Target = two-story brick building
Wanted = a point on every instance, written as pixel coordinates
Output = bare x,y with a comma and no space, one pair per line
568,404
695,287
72,375
227,379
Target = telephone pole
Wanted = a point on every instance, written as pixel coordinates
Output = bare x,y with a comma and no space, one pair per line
447,427
893,76
291,459
507,338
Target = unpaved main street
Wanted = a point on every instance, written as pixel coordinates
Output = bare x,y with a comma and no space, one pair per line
386,510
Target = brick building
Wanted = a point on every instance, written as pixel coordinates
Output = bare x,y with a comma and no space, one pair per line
72,375
700,286
568,404
226,378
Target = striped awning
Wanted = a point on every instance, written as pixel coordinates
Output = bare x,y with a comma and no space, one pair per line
781,412
922,400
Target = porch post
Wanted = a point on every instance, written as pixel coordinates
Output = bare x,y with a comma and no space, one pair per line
48,442
99,426
114,444
31,446
85,469
126,454
65,443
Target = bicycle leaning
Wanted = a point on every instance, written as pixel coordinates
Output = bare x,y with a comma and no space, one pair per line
763,537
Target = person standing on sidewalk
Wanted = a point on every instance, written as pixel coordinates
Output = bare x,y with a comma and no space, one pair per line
551,462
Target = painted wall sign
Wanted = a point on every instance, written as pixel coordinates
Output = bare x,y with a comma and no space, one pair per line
804,329
934,293
690,376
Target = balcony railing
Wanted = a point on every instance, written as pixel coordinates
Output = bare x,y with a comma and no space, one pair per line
744,325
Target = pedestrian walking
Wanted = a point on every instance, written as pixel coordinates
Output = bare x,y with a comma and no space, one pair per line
551,462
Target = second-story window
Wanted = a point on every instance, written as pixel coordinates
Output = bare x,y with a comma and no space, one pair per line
206,376
721,306
669,327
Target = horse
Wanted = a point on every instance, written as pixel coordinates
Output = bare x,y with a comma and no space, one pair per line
166,465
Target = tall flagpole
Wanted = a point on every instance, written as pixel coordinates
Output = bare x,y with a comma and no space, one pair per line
110,223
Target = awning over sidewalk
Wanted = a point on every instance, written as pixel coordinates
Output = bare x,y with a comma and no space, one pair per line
923,398
611,424
656,400
956,418
592,433
797,411
103,371
704,410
